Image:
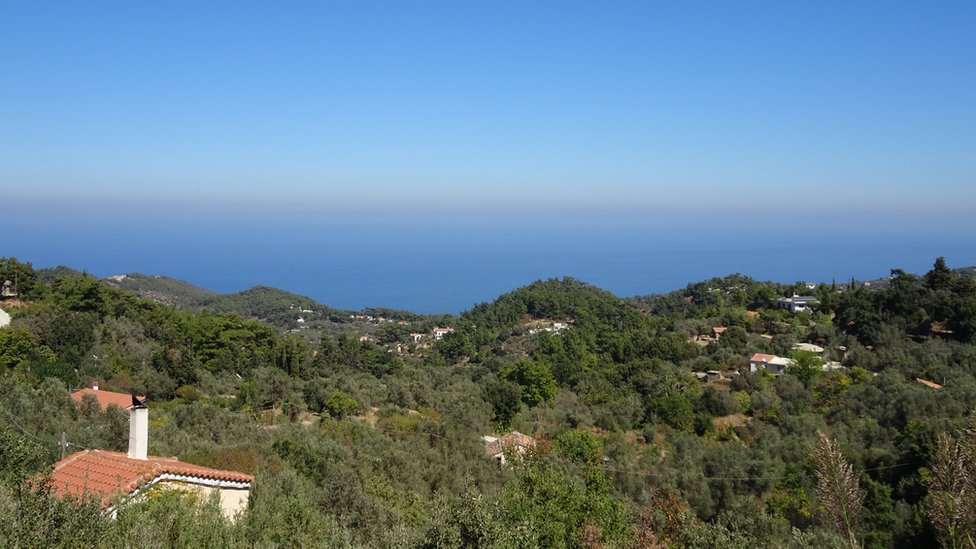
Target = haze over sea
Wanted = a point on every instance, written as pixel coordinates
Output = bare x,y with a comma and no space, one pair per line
433,263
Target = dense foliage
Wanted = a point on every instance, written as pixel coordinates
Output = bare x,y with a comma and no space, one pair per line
377,441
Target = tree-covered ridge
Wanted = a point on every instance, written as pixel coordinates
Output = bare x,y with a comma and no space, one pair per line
53,273
374,439
82,329
588,308
275,306
702,299
164,289
554,298
283,310
941,303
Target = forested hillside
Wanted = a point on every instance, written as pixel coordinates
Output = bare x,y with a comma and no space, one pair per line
650,428
170,291
276,307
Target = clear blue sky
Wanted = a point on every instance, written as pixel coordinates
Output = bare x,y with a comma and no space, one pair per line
677,106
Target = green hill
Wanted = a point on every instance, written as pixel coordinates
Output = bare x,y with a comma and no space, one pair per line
272,305
594,314
162,289
276,307
565,298
52,274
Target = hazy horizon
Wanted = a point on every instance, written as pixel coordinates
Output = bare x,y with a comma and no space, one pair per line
432,266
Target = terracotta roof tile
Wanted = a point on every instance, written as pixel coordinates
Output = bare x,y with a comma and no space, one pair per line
105,398
514,440
107,474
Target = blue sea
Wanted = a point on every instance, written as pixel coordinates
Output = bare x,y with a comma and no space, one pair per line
431,265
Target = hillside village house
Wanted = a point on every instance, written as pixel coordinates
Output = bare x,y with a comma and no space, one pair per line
797,303
105,398
512,442
552,328
117,477
775,365
439,333
810,347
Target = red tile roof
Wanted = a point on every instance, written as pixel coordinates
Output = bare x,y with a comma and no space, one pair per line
514,440
107,474
719,329
106,398
760,357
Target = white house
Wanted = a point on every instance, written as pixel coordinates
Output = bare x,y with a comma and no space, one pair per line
439,333
775,365
817,349
797,303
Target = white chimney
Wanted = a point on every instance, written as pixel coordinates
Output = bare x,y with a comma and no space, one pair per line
94,386
138,432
